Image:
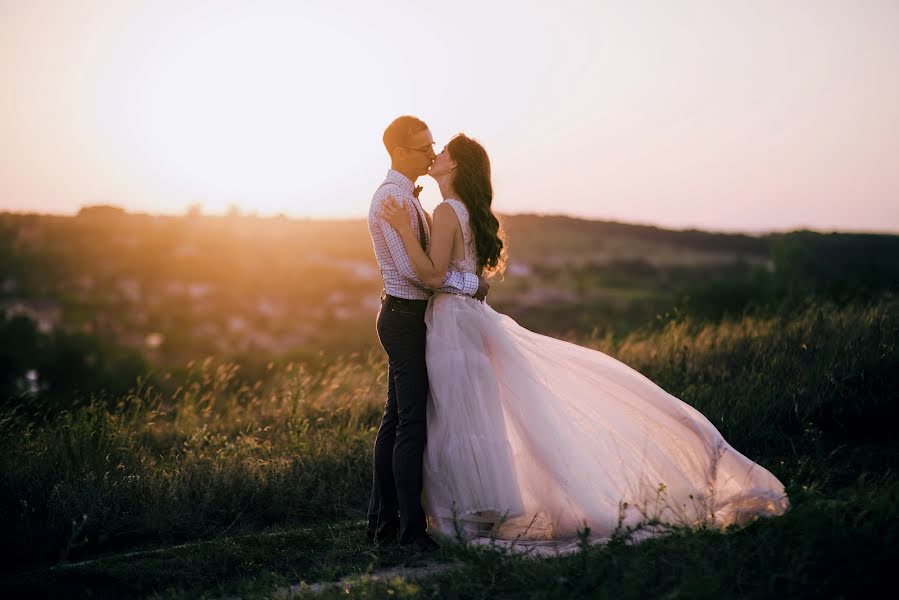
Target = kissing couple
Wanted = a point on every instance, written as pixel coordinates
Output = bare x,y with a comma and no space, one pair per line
492,430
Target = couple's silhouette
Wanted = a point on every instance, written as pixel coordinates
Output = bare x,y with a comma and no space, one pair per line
492,431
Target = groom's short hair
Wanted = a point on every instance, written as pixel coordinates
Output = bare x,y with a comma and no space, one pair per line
400,130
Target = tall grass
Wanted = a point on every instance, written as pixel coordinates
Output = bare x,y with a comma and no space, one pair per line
214,455
769,382
217,454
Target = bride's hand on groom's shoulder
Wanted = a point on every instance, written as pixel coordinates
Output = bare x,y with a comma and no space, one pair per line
394,213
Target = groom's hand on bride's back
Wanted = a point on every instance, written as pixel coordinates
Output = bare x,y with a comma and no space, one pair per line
483,288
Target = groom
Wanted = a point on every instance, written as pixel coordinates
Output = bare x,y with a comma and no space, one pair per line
395,506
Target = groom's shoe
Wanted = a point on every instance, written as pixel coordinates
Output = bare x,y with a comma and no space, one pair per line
386,533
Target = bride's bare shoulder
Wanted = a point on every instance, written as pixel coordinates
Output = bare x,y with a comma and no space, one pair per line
444,212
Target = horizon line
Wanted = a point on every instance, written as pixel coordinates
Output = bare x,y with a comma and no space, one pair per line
241,214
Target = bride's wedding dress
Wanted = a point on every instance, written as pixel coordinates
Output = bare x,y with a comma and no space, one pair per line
535,437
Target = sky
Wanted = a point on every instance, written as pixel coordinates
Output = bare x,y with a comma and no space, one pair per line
716,114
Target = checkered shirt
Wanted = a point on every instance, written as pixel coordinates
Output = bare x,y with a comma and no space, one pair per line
400,279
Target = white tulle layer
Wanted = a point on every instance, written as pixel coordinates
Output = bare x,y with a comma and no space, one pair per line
555,436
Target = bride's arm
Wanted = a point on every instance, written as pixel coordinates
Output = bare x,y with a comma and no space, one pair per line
430,268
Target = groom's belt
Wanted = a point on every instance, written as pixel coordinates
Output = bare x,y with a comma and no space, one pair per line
389,300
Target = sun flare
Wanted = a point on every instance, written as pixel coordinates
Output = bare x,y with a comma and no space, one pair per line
751,117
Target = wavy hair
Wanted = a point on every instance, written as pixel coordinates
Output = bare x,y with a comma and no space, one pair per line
472,184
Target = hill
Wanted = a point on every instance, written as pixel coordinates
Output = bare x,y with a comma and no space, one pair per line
112,292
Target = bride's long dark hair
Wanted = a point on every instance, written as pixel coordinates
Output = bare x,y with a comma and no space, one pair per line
472,184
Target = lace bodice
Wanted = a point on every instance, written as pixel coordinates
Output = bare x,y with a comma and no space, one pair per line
469,264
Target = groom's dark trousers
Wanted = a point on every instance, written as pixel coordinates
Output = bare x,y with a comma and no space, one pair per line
400,443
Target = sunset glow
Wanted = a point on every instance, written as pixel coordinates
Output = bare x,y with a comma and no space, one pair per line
720,115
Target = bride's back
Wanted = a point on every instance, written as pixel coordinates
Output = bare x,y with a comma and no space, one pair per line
468,264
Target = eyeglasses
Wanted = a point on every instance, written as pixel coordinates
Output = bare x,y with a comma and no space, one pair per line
424,149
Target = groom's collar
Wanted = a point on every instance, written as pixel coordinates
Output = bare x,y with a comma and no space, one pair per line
403,182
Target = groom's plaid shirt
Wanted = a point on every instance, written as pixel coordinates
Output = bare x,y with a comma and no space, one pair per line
400,279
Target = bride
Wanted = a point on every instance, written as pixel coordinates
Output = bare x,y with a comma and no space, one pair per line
533,438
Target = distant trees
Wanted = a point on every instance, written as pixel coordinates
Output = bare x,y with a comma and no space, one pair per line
106,211
52,370
301,286
837,262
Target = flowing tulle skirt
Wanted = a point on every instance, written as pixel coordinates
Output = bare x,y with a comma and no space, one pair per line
534,438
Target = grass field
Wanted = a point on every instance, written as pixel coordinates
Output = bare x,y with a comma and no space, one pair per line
219,486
